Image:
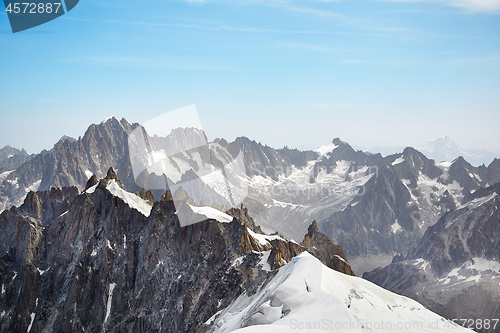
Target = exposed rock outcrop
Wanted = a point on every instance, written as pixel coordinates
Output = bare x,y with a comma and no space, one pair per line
89,261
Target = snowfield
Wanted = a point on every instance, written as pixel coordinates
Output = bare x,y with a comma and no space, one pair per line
306,296
130,199
212,213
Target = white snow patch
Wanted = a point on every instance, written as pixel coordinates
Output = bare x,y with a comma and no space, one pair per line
131,199
3,289
326,149
395,227
482,264
94,253
110,298
285,204
15,275
160,263
13,182
428,186
88,173
66,212
32,320
473,204
34,187
445,166
4,175
237,261
108,244
41,271
422,263
263,239
398,160
340,258
263,263
91,189
212,213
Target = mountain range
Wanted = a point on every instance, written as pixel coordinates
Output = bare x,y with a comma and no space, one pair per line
443,149
377,209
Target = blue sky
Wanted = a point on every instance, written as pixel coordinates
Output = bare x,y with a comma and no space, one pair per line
296,73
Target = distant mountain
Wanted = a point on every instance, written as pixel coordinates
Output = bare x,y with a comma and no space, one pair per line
455,270
444,149
408,195
11,159
71,163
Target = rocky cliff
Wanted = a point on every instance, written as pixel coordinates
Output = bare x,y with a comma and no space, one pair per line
108,260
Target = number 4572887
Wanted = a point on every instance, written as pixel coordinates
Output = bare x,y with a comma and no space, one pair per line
33,8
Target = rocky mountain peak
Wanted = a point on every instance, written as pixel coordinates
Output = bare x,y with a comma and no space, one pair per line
146,195
91,182
110,175
313,228
181,195
320,246
242,215
338,142
167,196
67,138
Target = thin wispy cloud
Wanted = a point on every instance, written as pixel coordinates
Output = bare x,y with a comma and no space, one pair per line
487,61
309,47
235,29
351,61
478,6
302,8
148,63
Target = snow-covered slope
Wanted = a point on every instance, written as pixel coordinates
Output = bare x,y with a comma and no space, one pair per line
306,296
131,199
212,213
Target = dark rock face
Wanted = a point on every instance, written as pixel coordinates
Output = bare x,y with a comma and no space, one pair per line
74,262
297,157
320,246
455,269
415,163
366,227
